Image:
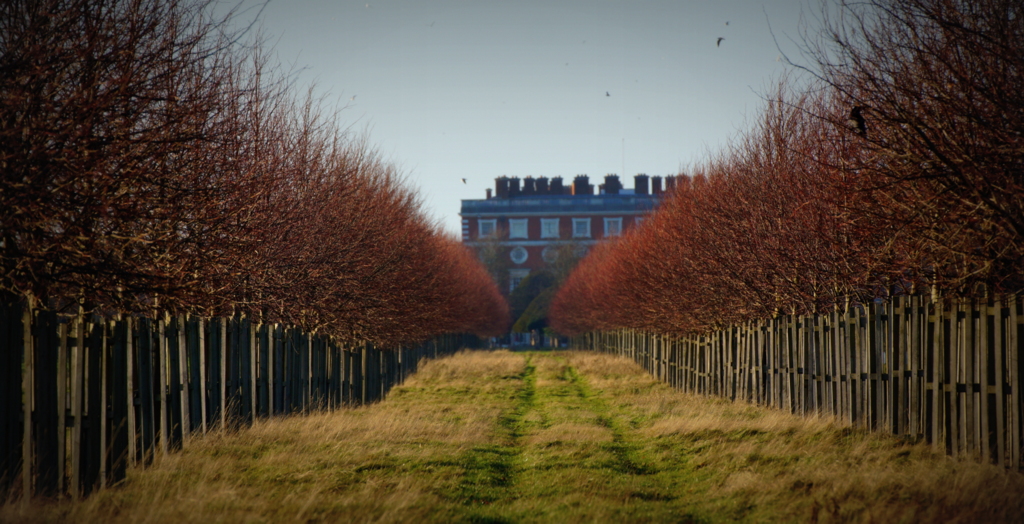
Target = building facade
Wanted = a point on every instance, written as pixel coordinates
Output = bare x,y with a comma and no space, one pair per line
533,217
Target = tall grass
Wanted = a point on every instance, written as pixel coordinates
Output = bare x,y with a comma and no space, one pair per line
547,437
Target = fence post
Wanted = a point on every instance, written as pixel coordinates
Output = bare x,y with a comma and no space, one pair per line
204,386
162,390
363,360
981,375
183,377
94,416
1000,385
105,357
28,390
77,376
939,377
1013,363
62,407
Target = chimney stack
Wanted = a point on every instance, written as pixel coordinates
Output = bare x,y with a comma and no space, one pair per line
640,184
670,183
655,185
581,185
501,187
529,186
513,187
542,185
488,193
556,186
612,186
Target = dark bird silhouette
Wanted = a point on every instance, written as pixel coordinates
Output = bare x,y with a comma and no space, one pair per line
857,122
719,42
606,93
463,180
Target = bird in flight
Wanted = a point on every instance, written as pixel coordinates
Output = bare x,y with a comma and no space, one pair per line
606,93
719,42
856,121
463,180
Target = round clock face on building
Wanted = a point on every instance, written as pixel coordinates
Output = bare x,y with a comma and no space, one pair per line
519,254
550,255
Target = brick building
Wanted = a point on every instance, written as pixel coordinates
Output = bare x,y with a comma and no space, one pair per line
532,216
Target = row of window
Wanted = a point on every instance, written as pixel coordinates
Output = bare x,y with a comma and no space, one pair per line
549,227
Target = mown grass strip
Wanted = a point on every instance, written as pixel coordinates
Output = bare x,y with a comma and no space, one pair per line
548,437
629,459
490,470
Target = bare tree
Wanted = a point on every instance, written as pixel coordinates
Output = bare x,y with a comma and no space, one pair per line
112,117
938,84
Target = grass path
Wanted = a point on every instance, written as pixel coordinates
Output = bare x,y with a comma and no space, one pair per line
548,437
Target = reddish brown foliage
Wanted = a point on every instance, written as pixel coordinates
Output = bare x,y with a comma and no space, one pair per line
900,174
769,226
151,161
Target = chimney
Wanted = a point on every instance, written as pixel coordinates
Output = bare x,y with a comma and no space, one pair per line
556,186
542,185
581,185
501,187
655,185
640,184
670,183
488,193
513,187
529,186
612,186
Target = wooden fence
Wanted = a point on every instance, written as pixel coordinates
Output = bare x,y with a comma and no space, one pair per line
82,399
945,372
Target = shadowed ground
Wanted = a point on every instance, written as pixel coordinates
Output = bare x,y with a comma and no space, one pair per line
548,437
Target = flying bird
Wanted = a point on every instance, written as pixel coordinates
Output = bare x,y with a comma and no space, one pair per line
606,93
463,180
719,42
856,121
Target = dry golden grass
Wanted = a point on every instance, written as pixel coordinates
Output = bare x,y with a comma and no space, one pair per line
548,437
819,468
317,466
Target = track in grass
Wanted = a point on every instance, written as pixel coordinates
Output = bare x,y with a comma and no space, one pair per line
547,437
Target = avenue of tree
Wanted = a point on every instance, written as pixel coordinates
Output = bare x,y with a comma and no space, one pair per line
152,158
898,168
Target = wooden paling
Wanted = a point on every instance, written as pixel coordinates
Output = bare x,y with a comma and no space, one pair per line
83,398
947,373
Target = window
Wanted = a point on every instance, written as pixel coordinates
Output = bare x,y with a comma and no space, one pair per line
549,228
581,228
612,227
517,228
515,277
487,227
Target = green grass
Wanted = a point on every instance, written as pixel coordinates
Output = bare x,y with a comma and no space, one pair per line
548,437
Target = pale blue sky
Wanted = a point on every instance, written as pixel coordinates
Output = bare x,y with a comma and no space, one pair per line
476,89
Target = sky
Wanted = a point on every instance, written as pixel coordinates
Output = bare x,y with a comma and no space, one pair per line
476,89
